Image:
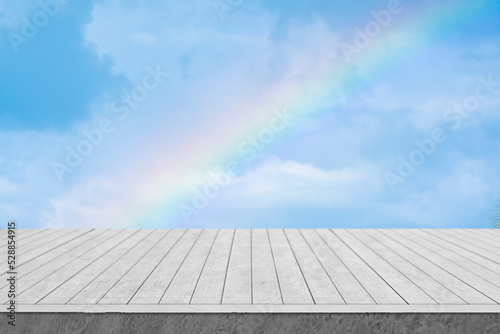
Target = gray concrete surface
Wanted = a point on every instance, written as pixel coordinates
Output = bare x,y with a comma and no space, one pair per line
66,323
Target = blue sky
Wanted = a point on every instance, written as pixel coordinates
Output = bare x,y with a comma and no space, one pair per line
160,95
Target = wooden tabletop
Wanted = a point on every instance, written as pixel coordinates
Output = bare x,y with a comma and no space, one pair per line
275,270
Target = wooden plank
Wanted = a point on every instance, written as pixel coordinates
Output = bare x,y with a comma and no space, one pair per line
42,238
349,287
211,284
258,269
466,244
483,267
44,264
183,284
123,291
405,288
25,242
95,290
238,286
479,237
23,247
380,291
479,284
457,286
320,285
50,246
75,283
470,239
156,284
265,284
40,289
45,245
23,236
26,234
426,282
492,234
294,289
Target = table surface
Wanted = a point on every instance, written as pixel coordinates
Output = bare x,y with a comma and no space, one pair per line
258,270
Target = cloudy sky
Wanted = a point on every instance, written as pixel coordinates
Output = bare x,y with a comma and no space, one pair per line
249,113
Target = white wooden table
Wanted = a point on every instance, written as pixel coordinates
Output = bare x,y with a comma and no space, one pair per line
306,270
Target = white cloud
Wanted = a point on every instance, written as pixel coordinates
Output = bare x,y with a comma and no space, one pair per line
215,66
89,203
277,182
453,201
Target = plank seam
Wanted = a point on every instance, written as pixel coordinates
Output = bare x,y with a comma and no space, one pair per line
298,265
322,266
152,271
129,269
345,243
180,265
203,267
463,257
118,259
50,250
461,246
444,270
345,266
88,264
227,267
56,269
275,269
389,264
251,267
414,266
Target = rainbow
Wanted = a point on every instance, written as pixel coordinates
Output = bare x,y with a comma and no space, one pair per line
157,205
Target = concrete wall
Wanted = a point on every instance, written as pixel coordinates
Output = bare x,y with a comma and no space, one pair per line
55,323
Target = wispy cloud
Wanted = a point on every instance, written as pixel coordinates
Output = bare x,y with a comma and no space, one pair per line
224,80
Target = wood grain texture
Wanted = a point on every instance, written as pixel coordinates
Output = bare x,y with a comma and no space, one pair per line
95,290
125,289
265,285
348,285
458,287
433,288
405,288
481,236
46,244
485,268
156,284
211,283
473,295
380,291
320,285
82,278
46,264
479,247
22,236
294,289
257,270
238,286
485,234
45,286
38,283
181,289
